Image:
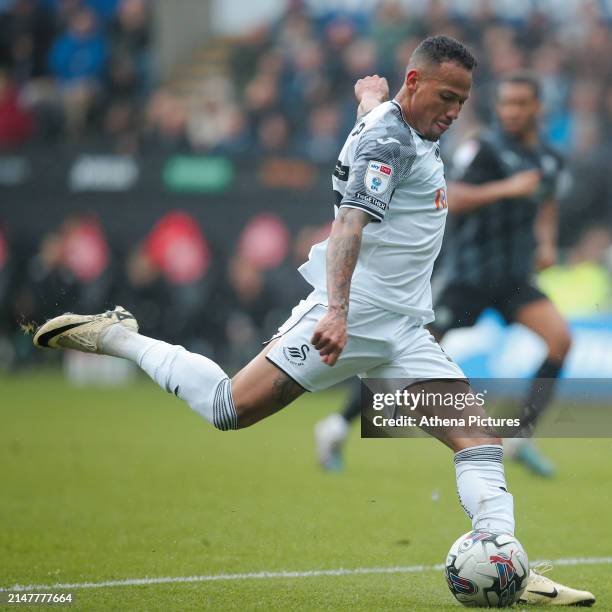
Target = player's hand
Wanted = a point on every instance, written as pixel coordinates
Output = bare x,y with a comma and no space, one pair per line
546,256
329,337
522,184
374,87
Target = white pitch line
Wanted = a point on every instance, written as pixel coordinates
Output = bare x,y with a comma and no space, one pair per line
408,569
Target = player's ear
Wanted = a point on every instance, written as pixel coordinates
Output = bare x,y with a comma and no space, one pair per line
412,78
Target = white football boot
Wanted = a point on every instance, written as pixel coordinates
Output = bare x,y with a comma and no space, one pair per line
330,434
543,591
81,332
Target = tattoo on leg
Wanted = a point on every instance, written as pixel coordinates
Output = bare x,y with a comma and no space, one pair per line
286,390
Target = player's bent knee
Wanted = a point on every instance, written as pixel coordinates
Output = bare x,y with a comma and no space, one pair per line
558,344
249,412
245,413
562,346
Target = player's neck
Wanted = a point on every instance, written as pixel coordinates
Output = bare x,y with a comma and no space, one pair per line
401,97
529,139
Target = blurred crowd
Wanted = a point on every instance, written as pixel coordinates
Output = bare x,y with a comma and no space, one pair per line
71,68
183,285
83,68
81,71
187,288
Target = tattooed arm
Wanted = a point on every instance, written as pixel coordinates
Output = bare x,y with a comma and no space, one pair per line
329,337
370,92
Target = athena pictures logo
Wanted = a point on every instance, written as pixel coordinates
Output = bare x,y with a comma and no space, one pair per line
296,355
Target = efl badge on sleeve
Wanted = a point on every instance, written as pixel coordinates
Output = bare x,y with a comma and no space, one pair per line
378,177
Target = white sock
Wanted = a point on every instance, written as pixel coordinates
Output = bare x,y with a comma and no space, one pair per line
481,485
192,377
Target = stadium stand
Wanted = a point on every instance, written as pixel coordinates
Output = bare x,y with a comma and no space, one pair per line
77,79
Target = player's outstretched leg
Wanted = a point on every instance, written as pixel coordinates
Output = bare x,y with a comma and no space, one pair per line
544,319
331,432
257,391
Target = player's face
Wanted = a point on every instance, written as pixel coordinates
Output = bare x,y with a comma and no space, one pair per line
438,94
517,108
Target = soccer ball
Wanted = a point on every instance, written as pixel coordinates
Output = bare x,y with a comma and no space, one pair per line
487,570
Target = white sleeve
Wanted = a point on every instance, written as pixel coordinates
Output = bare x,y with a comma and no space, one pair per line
374,173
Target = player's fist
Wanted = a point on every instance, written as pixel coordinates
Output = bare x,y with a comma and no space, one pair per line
522,184
329,337
374,87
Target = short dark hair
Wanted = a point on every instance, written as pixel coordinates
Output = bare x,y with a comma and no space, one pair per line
440,49
522,77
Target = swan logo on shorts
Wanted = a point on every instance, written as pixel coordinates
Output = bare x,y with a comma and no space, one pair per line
296,355
378,177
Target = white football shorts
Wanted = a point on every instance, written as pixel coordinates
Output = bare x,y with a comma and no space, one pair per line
381,344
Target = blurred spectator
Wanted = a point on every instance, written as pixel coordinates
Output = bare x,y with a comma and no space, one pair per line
216,124
392,27
166,122
587,267
294,71
129,62
5,279
49,287
86,256
323,139
105,10
15,121
178,251
249,302
26,32
288,285
143,288
264,242
360,58
273,134
304,83
78,62
261,94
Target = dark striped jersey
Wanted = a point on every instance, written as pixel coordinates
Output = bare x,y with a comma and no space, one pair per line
495,244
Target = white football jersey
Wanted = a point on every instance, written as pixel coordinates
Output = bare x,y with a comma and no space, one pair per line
386,169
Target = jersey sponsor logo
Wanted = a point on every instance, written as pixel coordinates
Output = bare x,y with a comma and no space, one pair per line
296,355
441,202
388,140
341,172
378,177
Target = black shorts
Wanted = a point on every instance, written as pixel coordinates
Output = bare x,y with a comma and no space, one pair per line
460,304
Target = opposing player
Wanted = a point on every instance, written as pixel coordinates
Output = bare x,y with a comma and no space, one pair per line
371,293
504,207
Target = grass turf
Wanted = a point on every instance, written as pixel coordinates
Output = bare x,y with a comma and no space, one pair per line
108,484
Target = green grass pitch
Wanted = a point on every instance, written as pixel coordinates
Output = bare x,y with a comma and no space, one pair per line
112,484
